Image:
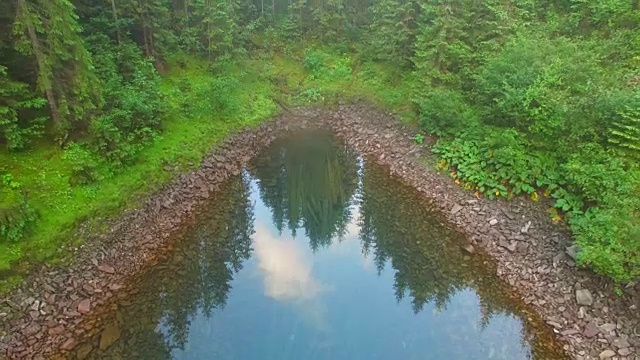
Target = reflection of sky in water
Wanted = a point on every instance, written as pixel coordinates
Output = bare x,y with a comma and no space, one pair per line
288,303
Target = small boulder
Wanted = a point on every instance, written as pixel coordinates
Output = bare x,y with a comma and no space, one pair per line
493,222
583,297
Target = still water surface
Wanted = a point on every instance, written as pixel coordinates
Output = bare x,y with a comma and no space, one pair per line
315,253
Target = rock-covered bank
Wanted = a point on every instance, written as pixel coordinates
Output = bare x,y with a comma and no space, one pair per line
56,307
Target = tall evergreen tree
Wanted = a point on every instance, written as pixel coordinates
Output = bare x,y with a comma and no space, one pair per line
49,32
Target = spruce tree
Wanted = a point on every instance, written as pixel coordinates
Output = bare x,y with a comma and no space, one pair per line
48,31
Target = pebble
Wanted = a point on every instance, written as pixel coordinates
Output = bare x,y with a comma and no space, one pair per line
625,351
607,354
69,344
456,209
84,306
607,328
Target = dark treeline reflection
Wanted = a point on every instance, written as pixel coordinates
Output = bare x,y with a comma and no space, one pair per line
314,183
194,278
308,181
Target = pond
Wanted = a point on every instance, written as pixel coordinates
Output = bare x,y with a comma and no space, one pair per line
316,253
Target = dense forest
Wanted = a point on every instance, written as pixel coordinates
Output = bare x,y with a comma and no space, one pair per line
536,98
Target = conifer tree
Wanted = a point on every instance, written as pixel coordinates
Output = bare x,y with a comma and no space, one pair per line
49,32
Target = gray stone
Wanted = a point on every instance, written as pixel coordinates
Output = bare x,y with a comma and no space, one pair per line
556,259
621,343
607,354
456,209
572,251
525,228
607,328
625,352
591,330
583,297
493,222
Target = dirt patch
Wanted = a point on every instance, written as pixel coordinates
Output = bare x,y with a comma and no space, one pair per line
57,306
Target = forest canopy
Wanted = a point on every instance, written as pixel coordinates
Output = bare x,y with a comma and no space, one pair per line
536,98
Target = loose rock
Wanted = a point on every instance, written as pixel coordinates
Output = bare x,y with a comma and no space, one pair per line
456,209
107,269
607,354
84,306
110,335
583,297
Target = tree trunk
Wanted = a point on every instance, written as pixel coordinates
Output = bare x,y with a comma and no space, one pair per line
40,59
143,24
115,19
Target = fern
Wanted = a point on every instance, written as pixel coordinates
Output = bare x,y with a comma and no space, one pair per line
625,133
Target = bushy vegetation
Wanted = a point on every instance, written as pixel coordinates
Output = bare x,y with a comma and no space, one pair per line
532,98
552,111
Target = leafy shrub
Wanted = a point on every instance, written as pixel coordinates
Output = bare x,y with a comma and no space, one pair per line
16,215
446,112
14,132
314,61
546,89
327,67
608,240
311,96
84,164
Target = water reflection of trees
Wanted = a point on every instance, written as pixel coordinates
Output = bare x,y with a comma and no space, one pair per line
307,181
396,228
429,264
195,277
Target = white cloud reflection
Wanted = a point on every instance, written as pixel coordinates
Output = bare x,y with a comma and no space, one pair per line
285,266
287,274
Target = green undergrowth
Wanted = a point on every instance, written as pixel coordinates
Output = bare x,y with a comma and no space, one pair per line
314,74
198,117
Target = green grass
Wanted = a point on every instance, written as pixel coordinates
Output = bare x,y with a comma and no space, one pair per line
185,139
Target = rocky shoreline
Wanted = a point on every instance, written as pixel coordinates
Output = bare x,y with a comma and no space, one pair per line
56,307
